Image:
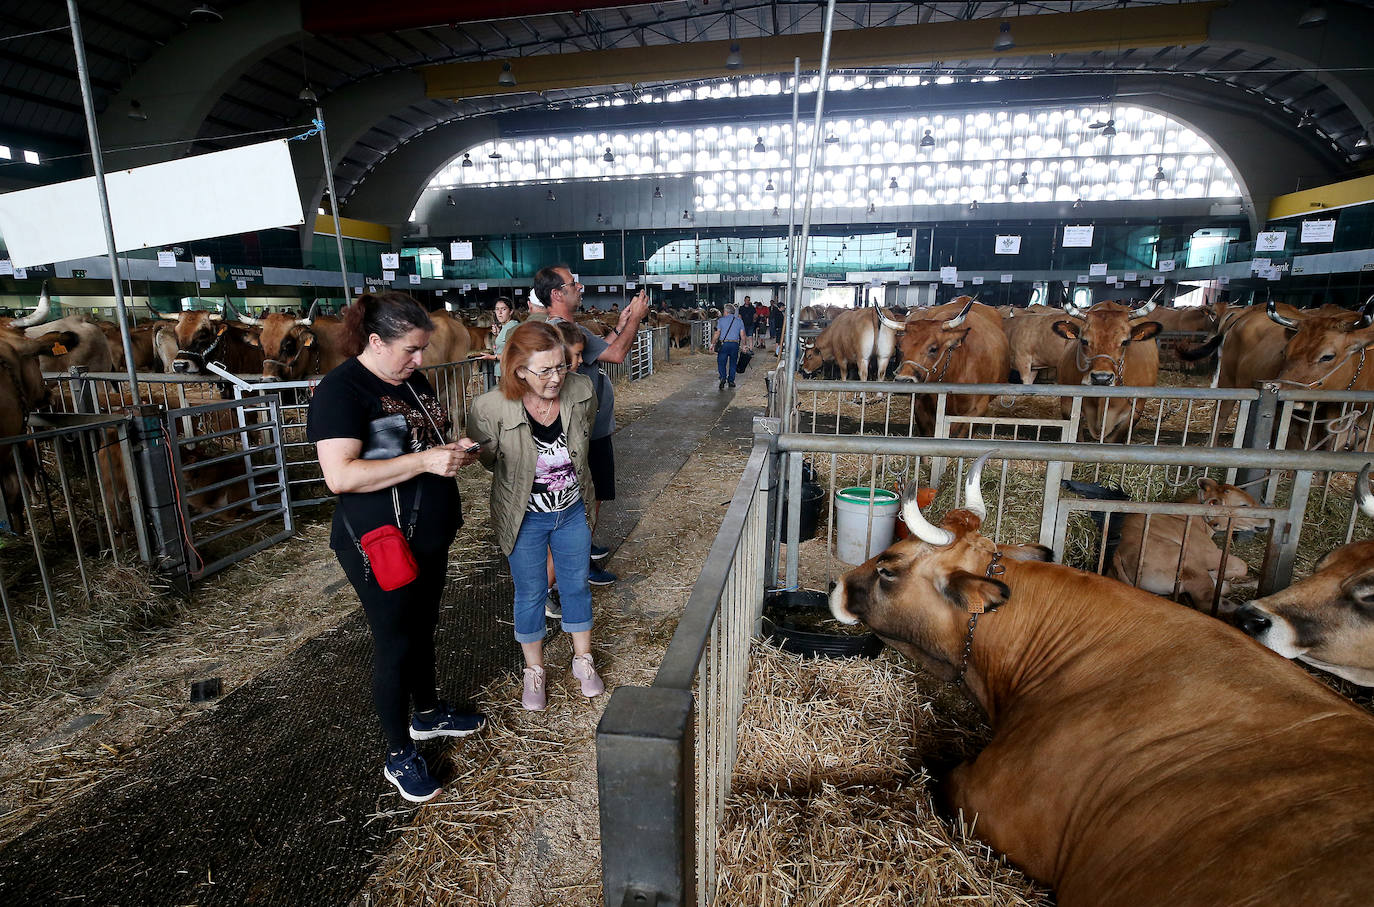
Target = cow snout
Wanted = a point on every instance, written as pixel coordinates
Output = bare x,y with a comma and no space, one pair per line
905,376
181,366
1102,379
1252,621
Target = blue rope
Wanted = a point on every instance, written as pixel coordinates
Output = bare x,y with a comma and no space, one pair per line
318,126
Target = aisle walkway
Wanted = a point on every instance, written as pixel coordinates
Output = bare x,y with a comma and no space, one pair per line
275,796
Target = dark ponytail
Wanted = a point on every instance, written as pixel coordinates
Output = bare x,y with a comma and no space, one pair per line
389,314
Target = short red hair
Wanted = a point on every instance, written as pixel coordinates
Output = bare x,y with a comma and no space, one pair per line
530,338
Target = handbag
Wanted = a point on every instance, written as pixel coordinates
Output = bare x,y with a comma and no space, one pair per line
743,363
386,550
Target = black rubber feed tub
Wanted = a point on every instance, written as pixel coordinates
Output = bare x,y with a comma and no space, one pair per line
791,622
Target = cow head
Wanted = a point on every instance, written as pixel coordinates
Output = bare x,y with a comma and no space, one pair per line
287,343
1325,351
812,360
198,335
927,345
1103,334
918,594
22,387
1219,494
1326,620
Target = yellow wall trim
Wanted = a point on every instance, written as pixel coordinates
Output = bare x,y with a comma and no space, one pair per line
1173,25
1358,191
353,229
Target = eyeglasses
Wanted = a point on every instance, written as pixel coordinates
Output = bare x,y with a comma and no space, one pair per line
543,373
575,283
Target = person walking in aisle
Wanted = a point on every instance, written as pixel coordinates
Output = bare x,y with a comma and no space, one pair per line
726,338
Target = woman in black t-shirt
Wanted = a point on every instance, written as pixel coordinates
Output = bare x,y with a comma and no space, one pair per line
379,432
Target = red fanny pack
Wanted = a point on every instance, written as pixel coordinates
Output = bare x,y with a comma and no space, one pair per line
389,556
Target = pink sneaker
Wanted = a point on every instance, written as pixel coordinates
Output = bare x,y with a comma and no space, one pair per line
585,671
534,698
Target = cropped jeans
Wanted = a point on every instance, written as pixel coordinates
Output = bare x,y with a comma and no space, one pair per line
568,536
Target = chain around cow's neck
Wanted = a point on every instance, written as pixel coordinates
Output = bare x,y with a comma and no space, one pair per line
946,357
995,568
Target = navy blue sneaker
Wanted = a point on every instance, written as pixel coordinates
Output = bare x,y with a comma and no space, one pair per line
599,553
407,770
599,577
443,721
553,605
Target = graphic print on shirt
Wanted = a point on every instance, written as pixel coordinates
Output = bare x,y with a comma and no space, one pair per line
421,435
555,481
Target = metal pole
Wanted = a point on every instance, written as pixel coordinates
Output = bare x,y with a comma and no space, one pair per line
789,303
794,308
333,200
98,167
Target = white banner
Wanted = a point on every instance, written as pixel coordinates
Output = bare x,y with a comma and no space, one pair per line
391,261
205,284
1158,281
481,286
593,251
460,251
1129,276
1006,278
241,284
1008,245
1223,281
467,288
977,281
1318,231
1270,241
414,278
1167,264
223,193
1079,237
203,263
6,266
949,275
1097,269
630,285
166,259
389,276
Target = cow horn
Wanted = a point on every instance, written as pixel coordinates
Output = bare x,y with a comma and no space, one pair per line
918,524
1148,307
1362,493
889,323
38,315
241,316
309,318
973,487
1366,315
1071,308
1274,316
958,319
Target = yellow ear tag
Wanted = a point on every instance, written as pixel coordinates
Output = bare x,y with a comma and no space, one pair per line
59,350
977,607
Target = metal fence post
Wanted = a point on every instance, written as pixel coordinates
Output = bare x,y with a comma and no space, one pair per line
770,428
161,507
1259,432
646,785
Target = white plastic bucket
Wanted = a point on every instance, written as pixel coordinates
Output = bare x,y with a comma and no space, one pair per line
853,508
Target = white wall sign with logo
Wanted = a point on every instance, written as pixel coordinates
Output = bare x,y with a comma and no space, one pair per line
630,285
1145,282
357,291
1082,278
1006,278
205,284
460,251
1223,281
388,276
391,261
1318,231
977,281
1097,269
414,278
959,284
1270,241
949,275
1129,276
688,286
166,259
21,273
6,266
467,288
1259,264
1008,245
1080,237
903,281
593,251
1167,264
241,284
1158,281
481,286
203,263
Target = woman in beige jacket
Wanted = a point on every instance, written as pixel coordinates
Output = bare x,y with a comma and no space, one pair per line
534,429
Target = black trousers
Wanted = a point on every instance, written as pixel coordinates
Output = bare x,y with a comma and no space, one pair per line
402,623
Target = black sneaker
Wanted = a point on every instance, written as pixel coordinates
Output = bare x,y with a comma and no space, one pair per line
444,722
599,553
721,386
407,770
553,606
599,577
732,384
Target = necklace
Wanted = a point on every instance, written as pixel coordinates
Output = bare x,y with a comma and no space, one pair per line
543,408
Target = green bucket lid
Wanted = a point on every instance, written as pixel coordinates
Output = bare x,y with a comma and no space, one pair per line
866,496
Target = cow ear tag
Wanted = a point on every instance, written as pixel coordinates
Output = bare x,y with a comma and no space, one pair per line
58,349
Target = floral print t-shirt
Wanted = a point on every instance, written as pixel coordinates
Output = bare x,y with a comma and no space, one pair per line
555,481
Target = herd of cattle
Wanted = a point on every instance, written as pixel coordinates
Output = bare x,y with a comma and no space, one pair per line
1141,753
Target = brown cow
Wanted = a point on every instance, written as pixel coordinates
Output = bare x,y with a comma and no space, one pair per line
22,389
1187,318
202,336
1033,344
852,338
1142,753
1112,348
1326,620
292,347
92,352
1326,350
150,343
960,342
448,343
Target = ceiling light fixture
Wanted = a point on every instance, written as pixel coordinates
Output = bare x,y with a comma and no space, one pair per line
495,156
507,78
872,208
1160,175
1110,129
550,197
758,145
1078,203
517,222
599,218
658,192
1306,119
136,111
769,187
1023,180
308,96
893,183
832,139
467,159
927,140
1004,41
973,205
734,60
775,210
207,13
1314,15
452,202
686,215
608,157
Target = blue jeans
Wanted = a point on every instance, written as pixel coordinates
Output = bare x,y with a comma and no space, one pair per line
567,535
726,357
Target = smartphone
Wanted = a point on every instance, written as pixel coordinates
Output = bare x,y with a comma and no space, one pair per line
474,446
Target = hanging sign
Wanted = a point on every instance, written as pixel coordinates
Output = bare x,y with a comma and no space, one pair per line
1006,278
1129,276
79,273
21,273
414,278
481,286
6,266
467,288
1167,264
1259,264
391,261
388,276
203,263
357,291
166,259
1159,281
593,251
1318,231
959,284
236,273
1270,241
1097,269
630,284
1145,282
903,281
1082,278
1223,281
460,251
241,284
1007,245
687,286
1080,237
949,275
977,281
205,284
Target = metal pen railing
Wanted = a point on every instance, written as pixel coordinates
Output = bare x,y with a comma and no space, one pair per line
666,752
